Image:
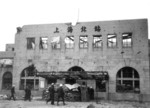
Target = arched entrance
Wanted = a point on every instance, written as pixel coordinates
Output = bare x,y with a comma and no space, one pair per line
76,68
7,81
28,78
72,80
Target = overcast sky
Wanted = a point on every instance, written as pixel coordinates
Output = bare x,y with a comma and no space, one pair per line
15,13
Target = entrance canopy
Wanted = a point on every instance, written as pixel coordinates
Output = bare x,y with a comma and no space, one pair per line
102,75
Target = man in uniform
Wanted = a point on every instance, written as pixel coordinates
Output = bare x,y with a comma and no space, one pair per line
12,93
61,94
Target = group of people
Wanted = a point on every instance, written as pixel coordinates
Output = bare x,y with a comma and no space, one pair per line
60,94
86,93
27,93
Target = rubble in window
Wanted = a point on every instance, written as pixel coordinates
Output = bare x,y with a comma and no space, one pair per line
112,40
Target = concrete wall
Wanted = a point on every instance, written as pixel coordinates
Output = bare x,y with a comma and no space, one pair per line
103,59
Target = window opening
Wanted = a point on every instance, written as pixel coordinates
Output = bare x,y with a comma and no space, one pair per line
7,81
83,41
127,39
127,80
28,78
30,43
55,42
69,41
43,43
111,40
97,41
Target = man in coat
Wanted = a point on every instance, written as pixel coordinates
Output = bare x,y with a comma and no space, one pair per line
51,93
12,93
27,94
61,94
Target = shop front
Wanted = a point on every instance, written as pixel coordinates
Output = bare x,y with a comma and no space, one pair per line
81,85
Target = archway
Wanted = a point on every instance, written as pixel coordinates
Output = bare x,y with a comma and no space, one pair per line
29,78
7,81
127,80
76,68
72,79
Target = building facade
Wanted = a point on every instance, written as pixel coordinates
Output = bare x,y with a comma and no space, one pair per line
118,47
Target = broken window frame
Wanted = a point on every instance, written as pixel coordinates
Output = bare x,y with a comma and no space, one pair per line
69,42
83,41
43,43
28,79
97,41
127,40
55,45
112,40
127,81
31,43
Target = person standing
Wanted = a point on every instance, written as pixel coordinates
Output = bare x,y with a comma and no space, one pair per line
61,94
27,94
51,93
12,93
84,94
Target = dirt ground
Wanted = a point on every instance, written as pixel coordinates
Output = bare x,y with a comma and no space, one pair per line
42,104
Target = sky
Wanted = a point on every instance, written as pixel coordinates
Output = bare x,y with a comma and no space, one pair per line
16,13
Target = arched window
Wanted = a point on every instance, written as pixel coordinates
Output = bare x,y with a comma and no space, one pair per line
7,81
76,68
28,78
127,80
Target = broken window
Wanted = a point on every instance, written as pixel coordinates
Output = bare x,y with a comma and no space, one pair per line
127,80
69,41
30,43
83,41
28,78
111,40
127,39
97,41
55,42
43,43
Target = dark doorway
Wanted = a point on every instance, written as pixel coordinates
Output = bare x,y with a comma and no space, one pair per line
72,79
76,68
7,81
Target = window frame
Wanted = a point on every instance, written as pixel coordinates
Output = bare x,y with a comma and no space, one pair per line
84,43
29,44
112,45
126,83
100,42
56,46
24,77
41,45
127,44
70,44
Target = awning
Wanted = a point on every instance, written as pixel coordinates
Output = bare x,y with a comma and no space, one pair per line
75,74
6,61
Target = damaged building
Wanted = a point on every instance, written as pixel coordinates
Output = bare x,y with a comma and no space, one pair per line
110,56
